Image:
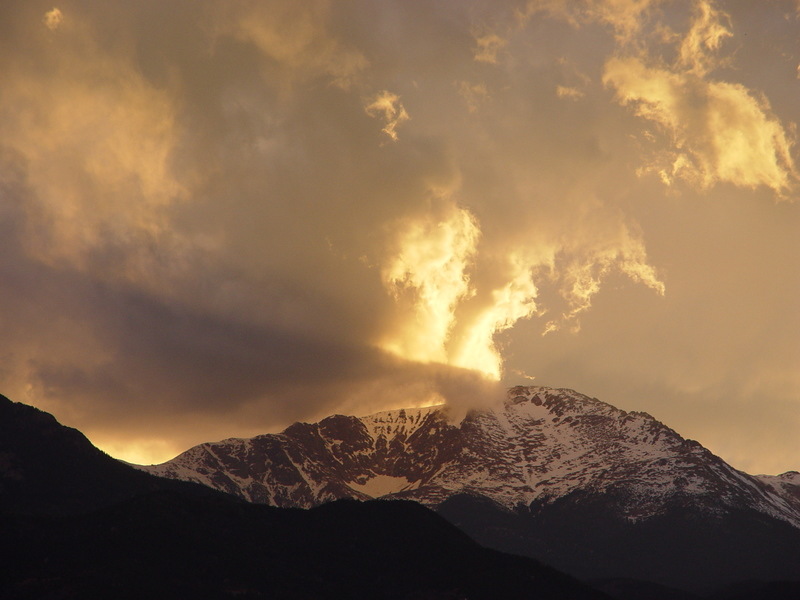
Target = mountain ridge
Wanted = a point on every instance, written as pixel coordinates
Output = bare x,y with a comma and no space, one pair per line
541,444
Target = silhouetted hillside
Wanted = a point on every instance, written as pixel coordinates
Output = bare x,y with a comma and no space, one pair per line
46,468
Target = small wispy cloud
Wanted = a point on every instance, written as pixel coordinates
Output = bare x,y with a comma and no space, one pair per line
53,18
487,47
387,106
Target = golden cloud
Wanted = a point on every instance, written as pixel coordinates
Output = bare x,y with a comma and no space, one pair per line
97,140
487,47
387,106
699,47
570,93
474,94
515,300
53,18
720,131
428,271
625,17
294,35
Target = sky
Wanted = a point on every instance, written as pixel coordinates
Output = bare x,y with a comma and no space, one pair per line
218,217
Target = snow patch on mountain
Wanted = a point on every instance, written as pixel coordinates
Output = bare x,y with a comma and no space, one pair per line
382,485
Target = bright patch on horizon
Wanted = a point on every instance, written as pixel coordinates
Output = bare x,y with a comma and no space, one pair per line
139,451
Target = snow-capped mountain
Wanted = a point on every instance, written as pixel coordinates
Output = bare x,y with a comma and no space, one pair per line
536,447
547,473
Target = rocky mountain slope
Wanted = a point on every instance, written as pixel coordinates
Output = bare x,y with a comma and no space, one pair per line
549,473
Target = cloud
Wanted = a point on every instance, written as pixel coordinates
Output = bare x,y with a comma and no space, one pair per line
624,17
97,140
487,47
720,131
297,38
583,274
428,269
571,93
53,18
515,300
474,94
698,52
387,106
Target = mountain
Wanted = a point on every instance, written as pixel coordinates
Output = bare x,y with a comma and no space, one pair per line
49,469
787,486
548,473
75,523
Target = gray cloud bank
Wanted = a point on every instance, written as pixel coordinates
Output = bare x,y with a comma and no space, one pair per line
220,217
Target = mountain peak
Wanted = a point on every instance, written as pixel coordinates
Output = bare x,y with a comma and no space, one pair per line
539,445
